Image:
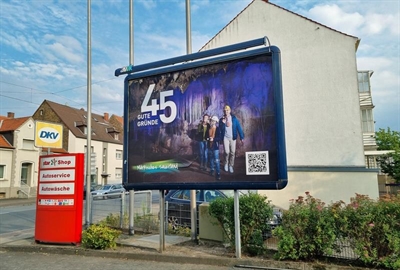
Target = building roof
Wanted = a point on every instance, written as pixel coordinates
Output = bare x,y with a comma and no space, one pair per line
4,143
120,119
74,119
11,124
268,3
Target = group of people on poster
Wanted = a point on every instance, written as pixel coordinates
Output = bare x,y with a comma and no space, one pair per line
211,132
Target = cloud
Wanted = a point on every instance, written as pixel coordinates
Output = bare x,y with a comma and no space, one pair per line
66,48
334,17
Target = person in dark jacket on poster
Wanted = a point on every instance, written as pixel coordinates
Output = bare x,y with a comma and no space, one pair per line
230,129
201,137
214,137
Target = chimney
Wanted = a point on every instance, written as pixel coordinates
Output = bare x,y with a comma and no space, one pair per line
10,115
106,116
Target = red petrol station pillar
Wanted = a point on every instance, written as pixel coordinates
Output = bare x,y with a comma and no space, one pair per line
59,202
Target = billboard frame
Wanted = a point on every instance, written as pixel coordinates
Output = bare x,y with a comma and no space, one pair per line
195,60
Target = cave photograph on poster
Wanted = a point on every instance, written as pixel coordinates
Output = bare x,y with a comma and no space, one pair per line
214,123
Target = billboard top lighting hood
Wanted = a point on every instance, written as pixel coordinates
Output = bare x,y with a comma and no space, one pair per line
190,57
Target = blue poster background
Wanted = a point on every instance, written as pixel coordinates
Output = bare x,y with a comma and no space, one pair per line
161,152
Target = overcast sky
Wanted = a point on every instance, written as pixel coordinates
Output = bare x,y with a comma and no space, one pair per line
43,46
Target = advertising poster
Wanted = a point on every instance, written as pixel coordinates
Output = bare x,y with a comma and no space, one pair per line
210,125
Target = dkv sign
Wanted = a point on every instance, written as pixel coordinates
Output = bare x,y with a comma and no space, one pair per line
48,135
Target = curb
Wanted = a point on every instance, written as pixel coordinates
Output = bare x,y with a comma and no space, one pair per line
166,258
143,256
17,202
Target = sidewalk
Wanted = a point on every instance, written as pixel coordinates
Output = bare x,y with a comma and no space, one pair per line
180,250
17,201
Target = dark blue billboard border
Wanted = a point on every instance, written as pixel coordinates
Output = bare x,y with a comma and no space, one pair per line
232,79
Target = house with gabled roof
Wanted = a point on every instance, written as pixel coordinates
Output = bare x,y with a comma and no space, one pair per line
322,115
18,157
106,139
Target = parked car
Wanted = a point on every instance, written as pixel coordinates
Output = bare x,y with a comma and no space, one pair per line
178,205
108,191
179,214
92,188
273,222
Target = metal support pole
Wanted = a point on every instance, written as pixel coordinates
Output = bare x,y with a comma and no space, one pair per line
193,212
162,221
131,211
122,210
131,32
237,225
89,112
89,200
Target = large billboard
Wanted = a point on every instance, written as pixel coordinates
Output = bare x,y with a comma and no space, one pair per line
214,123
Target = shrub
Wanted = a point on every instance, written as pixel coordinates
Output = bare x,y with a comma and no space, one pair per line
254,211
100,236
373,228
147,222
114,220
310,229
179,230
307,230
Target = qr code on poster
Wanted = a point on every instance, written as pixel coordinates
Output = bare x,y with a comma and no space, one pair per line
257,163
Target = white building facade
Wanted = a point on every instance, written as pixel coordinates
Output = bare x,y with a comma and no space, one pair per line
19,163
324,138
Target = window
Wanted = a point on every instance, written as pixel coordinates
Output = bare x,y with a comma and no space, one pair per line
91,149
28,144
82,126
118,154
25,173
114,133
104,159
2,171
363,82
367,121
118,173
185,195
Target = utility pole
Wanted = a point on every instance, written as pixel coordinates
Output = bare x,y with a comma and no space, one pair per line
192,192
89,115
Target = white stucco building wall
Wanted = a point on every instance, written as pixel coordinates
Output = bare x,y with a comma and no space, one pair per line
77,145
324,140
6,162
21,163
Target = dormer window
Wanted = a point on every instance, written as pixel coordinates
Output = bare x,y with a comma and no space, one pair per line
113,132
82,126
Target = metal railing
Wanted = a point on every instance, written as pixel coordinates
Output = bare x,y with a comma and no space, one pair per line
25,190
146,218
114,207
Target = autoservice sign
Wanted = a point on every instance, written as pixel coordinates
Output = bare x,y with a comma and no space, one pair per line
48,135
170,144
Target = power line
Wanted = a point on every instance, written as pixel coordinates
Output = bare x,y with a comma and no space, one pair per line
18,99
65,90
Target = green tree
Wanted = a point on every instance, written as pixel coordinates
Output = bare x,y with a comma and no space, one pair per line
389,163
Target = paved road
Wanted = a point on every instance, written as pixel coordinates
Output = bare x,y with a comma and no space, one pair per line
38,261
17,216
